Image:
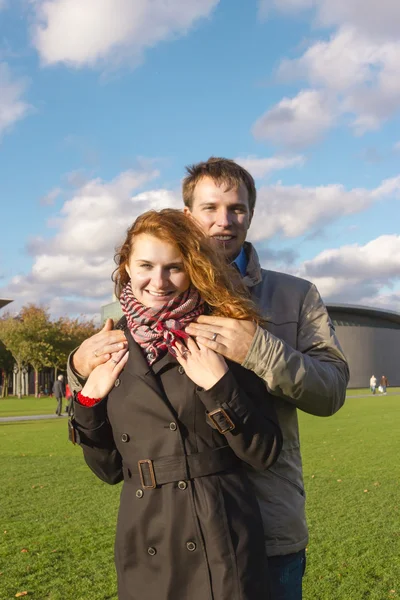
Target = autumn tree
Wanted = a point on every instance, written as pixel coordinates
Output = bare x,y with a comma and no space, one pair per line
12,336
6,368
36,332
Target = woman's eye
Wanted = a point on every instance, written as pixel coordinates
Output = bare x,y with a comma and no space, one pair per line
145,266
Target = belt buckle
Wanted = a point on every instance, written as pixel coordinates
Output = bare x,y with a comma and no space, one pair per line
149,463
221,411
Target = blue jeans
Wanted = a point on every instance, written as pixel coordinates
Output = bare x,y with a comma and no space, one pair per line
286,574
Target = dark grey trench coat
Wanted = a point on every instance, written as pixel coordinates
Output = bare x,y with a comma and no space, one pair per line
189,525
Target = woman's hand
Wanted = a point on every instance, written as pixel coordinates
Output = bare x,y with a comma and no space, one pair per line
101,380
204,366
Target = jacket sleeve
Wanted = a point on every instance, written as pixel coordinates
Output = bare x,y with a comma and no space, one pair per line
93,433
314,376
251,431
76,382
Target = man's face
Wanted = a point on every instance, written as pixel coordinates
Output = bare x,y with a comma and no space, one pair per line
224,215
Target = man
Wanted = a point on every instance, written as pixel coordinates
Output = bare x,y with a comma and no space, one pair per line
372,384
298,355
58,391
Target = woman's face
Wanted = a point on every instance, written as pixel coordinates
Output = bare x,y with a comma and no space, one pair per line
156,271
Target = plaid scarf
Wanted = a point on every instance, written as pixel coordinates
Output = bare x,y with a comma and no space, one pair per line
156,330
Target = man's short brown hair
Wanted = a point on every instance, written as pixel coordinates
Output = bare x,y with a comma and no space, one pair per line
221,171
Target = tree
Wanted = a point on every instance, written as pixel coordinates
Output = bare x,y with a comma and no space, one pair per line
6,368
36,332
66,334
12,336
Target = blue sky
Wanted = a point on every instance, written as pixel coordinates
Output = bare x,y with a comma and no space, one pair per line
103,103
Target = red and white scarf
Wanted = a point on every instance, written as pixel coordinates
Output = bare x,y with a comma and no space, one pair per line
156,330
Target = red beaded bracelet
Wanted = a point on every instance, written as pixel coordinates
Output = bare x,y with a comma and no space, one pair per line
86,401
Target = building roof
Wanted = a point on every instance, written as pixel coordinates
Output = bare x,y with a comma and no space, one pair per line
4,302
366,311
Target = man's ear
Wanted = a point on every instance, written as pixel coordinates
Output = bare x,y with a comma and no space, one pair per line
187,211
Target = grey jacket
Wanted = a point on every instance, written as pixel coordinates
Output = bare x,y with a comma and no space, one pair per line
300,359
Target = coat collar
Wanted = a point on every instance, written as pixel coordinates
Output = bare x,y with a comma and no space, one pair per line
253,271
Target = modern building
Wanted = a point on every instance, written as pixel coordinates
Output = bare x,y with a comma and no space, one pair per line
4,302
370,338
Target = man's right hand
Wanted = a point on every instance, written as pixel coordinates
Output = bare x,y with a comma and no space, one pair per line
97,349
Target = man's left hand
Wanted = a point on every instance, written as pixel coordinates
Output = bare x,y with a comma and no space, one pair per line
230,337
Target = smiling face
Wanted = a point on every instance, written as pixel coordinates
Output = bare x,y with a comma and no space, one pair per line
224,215
156,270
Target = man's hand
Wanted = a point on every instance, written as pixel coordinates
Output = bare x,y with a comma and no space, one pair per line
97,349
230,337
102,378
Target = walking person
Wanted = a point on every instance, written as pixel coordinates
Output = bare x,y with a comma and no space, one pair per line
372,384
69,397
179,423
59,393
383,384
295,352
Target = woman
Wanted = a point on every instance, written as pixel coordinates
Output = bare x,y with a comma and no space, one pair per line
178,423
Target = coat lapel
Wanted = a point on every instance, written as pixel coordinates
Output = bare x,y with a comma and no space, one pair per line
137,365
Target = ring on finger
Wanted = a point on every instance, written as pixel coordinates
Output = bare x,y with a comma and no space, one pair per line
96,354
185,353
214,337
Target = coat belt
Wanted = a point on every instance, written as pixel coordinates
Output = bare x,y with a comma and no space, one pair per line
167,469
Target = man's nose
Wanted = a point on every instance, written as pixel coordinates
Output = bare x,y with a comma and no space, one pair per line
224,218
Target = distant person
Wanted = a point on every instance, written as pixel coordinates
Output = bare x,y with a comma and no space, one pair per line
58,391
372,384
69,398
384,383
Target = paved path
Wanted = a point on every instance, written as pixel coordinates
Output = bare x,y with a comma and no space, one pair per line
30,418
53,416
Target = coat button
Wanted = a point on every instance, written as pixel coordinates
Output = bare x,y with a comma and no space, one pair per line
182,485
152,551
139,493
181,370
191,546
173,426
124,437
117,382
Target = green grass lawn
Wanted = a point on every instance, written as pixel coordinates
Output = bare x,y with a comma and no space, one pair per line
28,405
14,407
58,520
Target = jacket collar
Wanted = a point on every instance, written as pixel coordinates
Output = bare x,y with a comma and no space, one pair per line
253,272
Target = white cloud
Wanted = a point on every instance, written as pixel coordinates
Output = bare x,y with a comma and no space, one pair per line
357,273
361,75
12,106
261,167
356,70
293,211
77,261
97,31
297,122
380,19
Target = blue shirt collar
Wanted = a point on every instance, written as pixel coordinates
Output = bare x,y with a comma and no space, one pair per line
241,262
